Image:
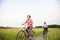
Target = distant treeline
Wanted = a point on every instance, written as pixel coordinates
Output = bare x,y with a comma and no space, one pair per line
50,26
2,27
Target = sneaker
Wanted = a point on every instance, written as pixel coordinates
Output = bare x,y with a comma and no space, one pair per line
30,37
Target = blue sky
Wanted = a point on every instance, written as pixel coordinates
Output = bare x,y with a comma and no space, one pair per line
14,12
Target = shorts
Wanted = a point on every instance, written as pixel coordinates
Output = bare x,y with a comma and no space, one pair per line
28,29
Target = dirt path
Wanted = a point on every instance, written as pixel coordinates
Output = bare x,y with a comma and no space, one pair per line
38,38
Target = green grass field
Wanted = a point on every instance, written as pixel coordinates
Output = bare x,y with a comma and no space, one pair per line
10,34
54,34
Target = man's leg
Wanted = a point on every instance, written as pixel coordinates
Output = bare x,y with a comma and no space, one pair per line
44,31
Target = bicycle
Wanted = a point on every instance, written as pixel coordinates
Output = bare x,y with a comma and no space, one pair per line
21,35
45,33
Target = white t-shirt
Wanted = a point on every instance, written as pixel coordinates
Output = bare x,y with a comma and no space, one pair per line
45,26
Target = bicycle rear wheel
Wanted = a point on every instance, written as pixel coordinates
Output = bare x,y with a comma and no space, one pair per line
32,33
20,36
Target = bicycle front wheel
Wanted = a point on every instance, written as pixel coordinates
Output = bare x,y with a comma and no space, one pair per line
20,36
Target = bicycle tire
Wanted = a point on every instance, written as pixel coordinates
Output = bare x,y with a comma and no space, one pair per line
20,36
32,33
45,33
